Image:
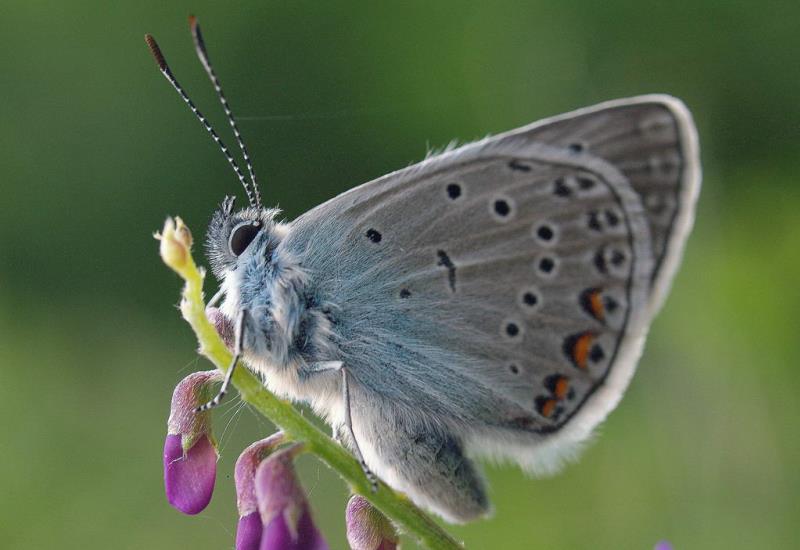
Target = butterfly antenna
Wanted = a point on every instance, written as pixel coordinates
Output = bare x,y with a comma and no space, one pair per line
165,70
202,53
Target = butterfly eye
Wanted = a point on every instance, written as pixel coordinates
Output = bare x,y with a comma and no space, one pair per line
242,235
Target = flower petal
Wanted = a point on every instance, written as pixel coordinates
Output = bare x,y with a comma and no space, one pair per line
189,477
284,510
286,533
244,472
367,527
190,393
248,532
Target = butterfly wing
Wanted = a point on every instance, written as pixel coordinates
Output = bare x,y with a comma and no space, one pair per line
652,140
504,288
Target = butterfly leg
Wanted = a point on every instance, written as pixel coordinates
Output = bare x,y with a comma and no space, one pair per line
237,353
215,298
327,366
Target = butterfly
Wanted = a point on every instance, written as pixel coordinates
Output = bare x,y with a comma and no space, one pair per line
491,301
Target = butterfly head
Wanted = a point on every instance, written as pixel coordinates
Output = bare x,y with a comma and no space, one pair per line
237,236
256,276
232,236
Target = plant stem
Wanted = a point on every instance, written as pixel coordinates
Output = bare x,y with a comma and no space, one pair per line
175,250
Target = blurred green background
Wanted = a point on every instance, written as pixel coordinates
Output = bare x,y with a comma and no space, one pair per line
96,149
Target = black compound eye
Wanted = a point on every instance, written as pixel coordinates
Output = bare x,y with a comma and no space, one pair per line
242,235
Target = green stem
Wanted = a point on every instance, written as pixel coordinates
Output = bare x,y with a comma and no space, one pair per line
175,251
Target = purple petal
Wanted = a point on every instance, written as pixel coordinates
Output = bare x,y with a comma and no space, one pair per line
276,485
189,478
283,507
663,545
248,532
279,534
367,527
190,393
244,473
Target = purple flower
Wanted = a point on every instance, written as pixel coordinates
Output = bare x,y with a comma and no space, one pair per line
282,505
190,453
367,527
248,533
663,545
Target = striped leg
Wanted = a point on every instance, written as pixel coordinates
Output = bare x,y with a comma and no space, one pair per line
237,353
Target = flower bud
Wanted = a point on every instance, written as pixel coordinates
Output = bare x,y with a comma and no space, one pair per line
176,243
282,505
223,325
190,453
248,532
368,528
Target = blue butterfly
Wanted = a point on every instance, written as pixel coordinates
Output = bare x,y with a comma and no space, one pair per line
491,301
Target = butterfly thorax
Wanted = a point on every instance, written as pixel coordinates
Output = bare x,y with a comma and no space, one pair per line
289,327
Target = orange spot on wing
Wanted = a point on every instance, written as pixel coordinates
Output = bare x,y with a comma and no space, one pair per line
548,407
580,353
596,305
561,389
592,302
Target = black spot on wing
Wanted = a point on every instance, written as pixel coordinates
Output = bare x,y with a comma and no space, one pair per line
518,166
502,208
530,299
594,221
600,262
596,354
512,329
561,189
453,190
545,233
547,265
446,262
576,147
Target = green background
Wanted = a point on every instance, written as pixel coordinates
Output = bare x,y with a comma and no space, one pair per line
96,149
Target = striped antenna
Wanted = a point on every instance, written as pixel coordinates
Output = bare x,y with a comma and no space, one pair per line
202,53
165,70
